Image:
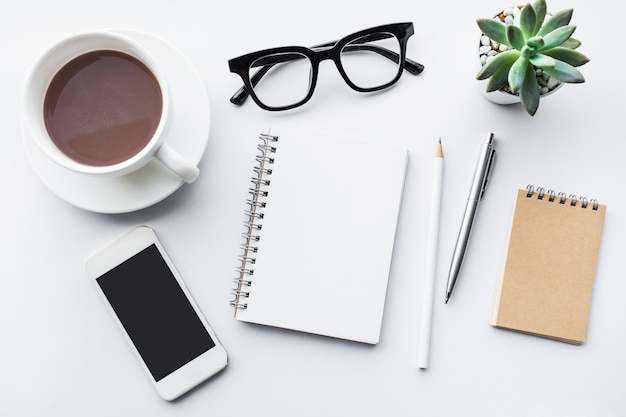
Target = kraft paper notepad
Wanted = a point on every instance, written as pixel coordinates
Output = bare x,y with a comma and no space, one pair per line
546,285
321,224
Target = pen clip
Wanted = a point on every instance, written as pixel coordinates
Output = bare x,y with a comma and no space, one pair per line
490,162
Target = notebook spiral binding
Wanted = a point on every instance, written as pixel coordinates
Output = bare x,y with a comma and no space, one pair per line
253,224
562,197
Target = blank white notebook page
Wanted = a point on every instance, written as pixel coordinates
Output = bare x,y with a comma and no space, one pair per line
327,235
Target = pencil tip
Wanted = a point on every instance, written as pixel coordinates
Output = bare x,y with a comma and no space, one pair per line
439,151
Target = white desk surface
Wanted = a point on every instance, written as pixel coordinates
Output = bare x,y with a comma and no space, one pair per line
61,354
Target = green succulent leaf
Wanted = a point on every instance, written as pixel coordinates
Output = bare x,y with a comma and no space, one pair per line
567,55
529,91
557,36
527,21
515,37
557,20
502,60
565,73
535,42
571,43
518,72
541,9
543,61
494,29
499,79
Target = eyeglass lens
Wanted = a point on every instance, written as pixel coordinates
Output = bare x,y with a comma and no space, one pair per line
368,62
287,80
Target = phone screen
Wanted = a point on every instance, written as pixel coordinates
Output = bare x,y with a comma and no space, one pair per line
155,312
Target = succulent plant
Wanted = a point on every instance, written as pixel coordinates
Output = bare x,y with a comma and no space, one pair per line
534,42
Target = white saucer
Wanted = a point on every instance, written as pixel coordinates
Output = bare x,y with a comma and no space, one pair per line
190,127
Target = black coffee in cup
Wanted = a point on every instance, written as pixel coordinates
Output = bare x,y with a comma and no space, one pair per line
102,107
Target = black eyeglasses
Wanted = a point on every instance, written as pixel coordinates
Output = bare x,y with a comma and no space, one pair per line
284,78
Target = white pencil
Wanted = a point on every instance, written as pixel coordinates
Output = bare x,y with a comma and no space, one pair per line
431,261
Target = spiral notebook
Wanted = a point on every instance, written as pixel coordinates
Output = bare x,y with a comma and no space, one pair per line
546,285
321,223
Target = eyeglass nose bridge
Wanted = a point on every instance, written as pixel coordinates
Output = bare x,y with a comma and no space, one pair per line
323,53
326,53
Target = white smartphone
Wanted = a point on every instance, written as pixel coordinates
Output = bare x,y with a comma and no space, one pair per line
164,326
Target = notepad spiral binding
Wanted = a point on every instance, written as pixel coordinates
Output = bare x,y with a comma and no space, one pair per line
253,224
562,197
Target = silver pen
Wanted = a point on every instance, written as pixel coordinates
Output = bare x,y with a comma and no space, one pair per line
481,176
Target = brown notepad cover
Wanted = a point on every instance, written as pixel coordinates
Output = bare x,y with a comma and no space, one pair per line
547,279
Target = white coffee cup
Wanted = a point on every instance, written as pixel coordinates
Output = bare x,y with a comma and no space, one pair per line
39,82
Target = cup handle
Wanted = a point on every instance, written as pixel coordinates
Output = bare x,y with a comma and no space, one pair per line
176,163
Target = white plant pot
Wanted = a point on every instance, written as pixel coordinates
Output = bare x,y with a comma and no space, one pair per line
498,97
504,97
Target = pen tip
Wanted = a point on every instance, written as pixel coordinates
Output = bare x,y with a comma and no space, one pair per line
447,298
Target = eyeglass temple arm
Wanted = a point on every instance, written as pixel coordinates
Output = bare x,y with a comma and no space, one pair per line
242,94
411,66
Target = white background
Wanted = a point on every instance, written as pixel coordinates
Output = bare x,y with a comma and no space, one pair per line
61,354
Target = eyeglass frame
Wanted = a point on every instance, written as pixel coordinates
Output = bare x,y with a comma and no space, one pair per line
331,50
